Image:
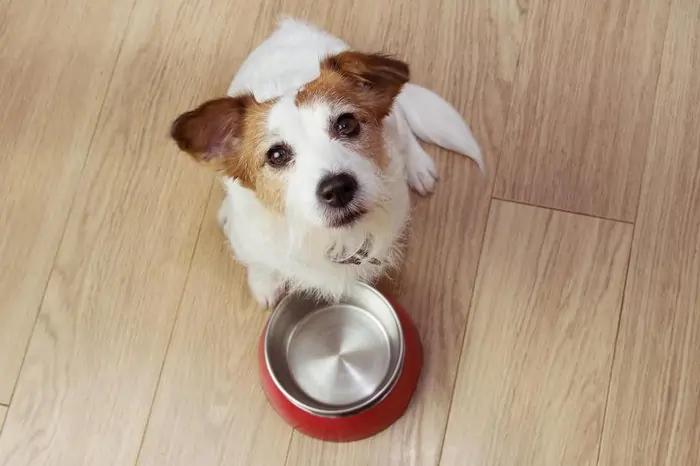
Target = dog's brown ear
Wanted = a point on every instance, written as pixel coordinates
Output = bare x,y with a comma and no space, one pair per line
212,131
379,75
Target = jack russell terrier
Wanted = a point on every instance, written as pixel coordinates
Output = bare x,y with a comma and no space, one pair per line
316,145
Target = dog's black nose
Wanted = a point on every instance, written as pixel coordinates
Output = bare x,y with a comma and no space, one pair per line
337,190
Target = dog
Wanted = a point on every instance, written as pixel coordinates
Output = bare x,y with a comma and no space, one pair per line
316,145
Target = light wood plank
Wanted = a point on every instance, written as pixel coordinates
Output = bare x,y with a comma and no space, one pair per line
56,59
210,408
467,51
582,107
654,406
536,359
91,370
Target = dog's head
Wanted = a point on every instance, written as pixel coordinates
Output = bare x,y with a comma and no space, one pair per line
319,154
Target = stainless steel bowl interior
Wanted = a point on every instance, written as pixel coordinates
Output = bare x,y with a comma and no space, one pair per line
334,359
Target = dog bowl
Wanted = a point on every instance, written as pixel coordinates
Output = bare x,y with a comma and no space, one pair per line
340,371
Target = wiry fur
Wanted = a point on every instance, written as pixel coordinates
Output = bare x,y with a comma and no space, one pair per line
296,250
272,219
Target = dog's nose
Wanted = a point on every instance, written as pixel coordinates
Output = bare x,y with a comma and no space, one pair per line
337,190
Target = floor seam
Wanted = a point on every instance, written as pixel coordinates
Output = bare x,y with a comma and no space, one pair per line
564,211
175,321
631,251
494,175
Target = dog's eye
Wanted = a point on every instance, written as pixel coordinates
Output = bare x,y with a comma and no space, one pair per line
279,155
347,125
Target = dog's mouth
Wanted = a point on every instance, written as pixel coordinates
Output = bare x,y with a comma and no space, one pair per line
346,218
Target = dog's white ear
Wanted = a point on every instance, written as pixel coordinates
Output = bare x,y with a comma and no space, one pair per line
380,77
212,131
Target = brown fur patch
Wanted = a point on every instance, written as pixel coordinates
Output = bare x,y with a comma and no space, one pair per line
246,163
336,90
368,83
228,134
268,184
212,131
377,78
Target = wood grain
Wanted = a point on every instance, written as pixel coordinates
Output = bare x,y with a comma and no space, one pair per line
90,374
536,359
475,47
57,60
582,106
209,407
654,406
144,348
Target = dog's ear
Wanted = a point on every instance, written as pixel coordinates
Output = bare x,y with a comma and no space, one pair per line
381,76
212,132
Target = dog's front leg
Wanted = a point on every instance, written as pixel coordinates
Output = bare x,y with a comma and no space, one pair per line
266,285
421,173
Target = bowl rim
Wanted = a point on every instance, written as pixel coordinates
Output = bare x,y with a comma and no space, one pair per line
380,394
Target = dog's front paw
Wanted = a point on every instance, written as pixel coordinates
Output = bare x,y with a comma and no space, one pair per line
421,172
266,286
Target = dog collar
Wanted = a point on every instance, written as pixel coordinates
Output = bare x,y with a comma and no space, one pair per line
356,258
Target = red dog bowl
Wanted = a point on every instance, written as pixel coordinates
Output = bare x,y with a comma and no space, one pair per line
340,371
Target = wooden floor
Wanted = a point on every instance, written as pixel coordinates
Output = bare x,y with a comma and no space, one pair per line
558,299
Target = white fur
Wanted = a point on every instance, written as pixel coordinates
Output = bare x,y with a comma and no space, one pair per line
292,250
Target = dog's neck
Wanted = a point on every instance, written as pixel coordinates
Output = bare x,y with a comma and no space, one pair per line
353,246
358,257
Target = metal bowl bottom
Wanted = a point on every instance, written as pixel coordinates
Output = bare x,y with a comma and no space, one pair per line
334,358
